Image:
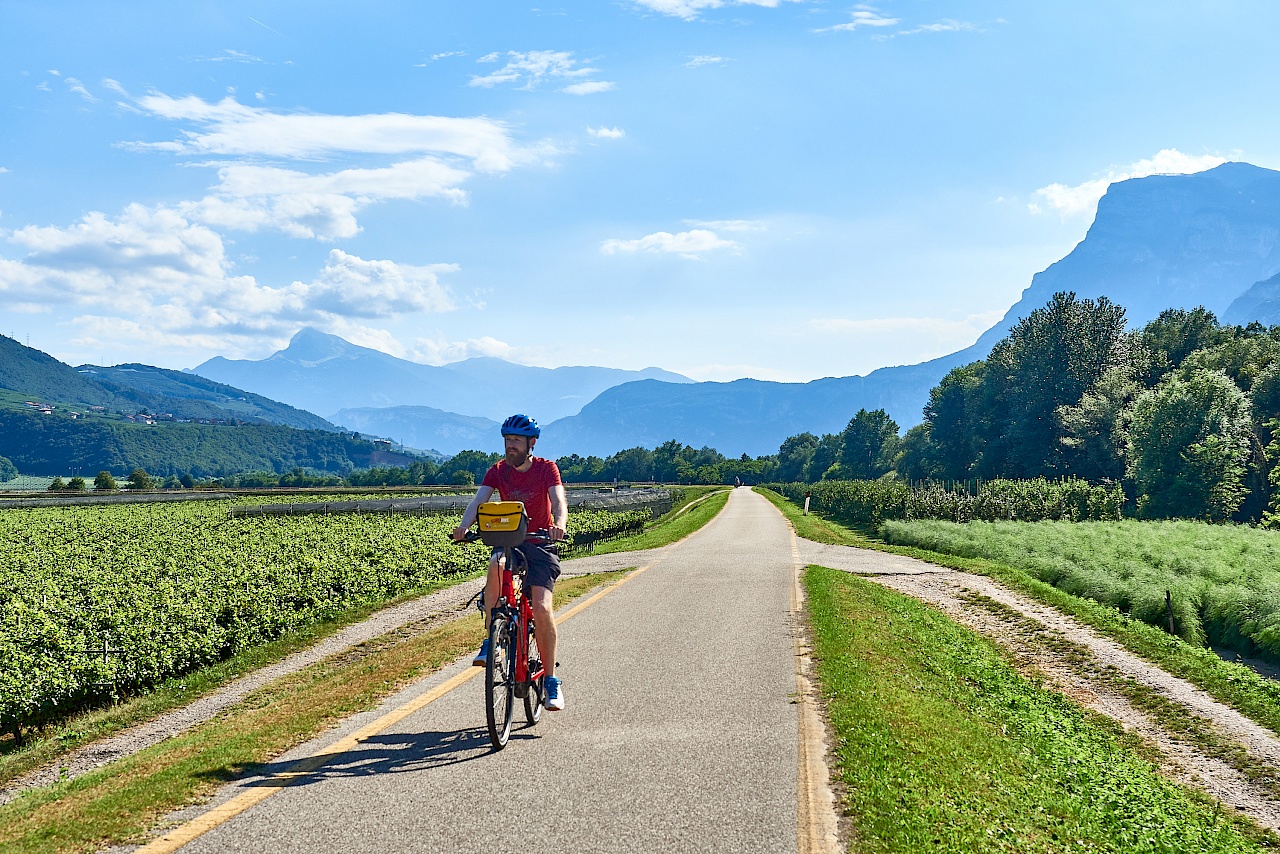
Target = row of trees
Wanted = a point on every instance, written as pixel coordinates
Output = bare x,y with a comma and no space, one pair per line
1185,412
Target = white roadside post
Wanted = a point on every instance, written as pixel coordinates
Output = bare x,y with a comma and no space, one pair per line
806,504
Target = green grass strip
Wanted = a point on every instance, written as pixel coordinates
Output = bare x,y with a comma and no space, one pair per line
1254,696
943,746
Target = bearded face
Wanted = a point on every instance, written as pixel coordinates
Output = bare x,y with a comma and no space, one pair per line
518,449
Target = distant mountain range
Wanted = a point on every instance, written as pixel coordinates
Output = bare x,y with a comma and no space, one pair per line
1164,241
324,373
1158,242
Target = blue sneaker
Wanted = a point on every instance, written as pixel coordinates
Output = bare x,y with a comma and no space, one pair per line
554,700
482,657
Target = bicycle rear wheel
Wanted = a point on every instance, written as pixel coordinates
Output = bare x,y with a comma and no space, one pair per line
499,682
533,698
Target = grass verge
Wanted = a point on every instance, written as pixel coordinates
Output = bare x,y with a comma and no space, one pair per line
45,746
943,746
1254,696
677,524
119,803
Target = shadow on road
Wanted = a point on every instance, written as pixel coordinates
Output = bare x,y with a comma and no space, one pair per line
388,753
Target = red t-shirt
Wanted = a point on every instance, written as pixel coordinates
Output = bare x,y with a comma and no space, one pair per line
531,487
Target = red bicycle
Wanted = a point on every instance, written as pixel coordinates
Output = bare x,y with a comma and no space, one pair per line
513,670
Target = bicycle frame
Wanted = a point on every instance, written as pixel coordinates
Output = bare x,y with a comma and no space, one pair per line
522,615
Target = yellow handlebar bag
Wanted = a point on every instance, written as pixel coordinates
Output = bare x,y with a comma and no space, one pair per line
502,523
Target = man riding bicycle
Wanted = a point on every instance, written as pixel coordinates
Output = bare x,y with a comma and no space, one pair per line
535,481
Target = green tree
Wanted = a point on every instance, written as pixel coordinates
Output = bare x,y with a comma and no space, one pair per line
917,457
462,477
8,471
955,422
1049,360
104,482
1187,447
57,485
77,484
794,456
1092,429
868,445
825,455
139,479
1173,336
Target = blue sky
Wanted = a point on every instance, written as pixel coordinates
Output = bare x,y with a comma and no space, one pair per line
782,189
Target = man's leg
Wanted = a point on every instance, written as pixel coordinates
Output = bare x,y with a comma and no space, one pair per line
492,586
544,627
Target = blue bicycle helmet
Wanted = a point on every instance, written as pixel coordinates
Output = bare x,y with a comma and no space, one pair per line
521,425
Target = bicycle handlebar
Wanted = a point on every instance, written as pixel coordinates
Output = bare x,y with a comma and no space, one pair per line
542,537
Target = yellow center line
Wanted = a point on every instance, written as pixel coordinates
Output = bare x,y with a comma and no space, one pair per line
263,789
816,824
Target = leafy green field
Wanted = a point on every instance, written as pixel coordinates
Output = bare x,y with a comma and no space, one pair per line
172,587
943,746
1224,580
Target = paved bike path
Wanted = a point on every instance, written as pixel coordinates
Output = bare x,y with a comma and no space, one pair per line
680,732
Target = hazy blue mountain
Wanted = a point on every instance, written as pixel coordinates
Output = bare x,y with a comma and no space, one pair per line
1157,242
324,373
1260,303
423,427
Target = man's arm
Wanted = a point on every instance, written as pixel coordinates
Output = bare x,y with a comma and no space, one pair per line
469,515
559,512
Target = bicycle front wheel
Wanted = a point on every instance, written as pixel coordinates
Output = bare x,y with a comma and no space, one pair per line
499,681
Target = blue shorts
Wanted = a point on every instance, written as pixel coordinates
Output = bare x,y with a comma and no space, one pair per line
544,564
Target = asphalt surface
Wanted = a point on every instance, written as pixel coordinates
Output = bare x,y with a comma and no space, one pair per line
679,732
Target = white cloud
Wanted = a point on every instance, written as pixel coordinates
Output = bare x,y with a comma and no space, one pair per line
157,268
686,244
252,198
436,57
114,86
699,61
490,57
3,170
945,26
441,351
531,69
689,9
1082,199
863,16
441,153
588,88
232,128
606,133
78,87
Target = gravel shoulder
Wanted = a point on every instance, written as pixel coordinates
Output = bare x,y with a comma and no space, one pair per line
1234,759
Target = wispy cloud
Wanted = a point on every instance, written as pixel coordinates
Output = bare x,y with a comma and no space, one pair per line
76,86
606,133
3,170
230,55
1082,199
530,70
701,60
436,57
944,26
690,9
590,87
686,244
862,16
